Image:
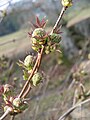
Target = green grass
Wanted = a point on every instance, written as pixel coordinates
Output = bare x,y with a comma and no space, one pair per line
8,47
11,36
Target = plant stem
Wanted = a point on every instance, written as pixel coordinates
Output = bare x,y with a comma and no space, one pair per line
5,114
38,66
27,91
38,61
32,73
59,18
27,87
73,108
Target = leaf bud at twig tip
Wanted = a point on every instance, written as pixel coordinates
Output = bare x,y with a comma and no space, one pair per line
67,3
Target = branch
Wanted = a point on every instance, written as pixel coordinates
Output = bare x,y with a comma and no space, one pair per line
27,91
38,66
38,61
59,18
31,75
72,109
27,87
5,114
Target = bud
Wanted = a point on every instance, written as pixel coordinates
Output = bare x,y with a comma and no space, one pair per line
36,79
67,3
28,62
38,38
55,38
17,102
38,32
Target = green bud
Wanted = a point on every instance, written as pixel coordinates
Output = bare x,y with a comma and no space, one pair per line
67,3
39,32
38,36
28,62
56,38
17,102
36,79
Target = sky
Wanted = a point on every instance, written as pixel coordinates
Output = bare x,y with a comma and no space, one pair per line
4,3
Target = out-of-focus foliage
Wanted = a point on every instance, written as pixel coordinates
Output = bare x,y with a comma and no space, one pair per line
81,12
9,24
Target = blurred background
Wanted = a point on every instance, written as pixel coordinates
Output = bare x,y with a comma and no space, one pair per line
55,95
